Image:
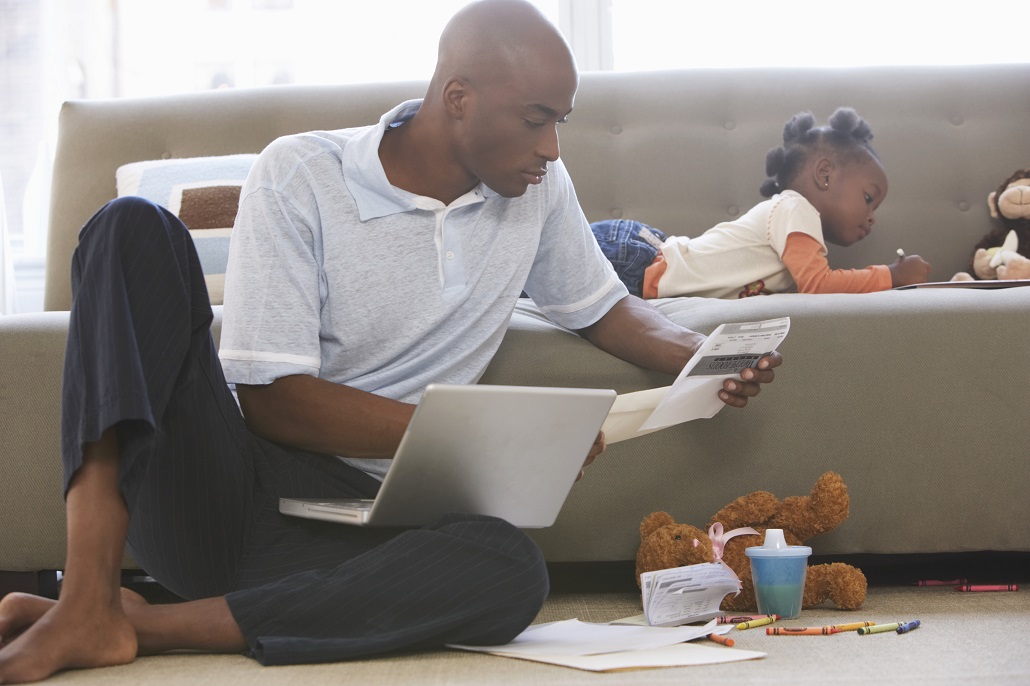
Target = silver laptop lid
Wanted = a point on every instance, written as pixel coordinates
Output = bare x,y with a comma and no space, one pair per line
507,451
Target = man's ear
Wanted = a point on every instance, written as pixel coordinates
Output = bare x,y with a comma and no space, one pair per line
456,95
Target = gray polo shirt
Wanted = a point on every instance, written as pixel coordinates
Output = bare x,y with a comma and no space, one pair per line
336,273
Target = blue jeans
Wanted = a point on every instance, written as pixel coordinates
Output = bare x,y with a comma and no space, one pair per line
623,242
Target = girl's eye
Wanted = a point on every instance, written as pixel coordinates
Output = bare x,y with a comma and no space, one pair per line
868,199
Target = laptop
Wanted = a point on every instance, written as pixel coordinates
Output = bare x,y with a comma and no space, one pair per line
511,452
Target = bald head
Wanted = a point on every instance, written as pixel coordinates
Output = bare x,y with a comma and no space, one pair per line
492,41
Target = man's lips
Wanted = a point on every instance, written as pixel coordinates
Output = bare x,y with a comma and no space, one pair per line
535,176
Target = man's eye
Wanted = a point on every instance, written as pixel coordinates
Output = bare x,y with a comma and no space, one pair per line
868,199
534,124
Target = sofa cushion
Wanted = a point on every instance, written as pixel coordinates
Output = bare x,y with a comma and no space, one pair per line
204,192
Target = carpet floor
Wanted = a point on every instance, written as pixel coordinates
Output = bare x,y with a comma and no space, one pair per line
965,638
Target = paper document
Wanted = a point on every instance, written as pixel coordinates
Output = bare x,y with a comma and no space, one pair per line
727,351
573,637
606,647
693,593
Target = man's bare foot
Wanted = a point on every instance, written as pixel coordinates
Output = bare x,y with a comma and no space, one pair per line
19,611
205,625
66,635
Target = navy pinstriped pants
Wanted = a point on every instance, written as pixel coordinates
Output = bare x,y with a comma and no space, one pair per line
203,491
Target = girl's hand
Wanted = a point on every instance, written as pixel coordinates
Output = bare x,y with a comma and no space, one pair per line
909,269
736,393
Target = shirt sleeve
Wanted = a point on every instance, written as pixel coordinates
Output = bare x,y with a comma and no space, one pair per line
571,280
270,321
805,259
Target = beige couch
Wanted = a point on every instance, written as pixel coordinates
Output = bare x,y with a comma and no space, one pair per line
918,398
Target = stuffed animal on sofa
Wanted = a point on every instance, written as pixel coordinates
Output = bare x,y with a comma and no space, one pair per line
664,543
1004,253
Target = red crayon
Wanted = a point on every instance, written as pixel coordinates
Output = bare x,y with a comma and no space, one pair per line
739,619
801,631
975,588
937,582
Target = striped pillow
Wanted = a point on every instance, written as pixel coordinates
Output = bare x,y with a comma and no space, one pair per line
204,192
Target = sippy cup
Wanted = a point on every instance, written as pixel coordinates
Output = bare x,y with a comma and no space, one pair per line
778,574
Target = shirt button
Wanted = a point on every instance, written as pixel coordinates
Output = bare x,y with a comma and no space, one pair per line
450,255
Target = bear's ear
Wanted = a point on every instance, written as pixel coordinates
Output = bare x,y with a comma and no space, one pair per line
992,205
653,522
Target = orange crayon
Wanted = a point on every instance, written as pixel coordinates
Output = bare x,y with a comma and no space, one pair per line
801,631
718,638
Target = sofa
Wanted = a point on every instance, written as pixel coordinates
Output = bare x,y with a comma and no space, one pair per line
918,398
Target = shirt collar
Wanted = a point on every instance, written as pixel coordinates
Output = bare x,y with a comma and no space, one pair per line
366,179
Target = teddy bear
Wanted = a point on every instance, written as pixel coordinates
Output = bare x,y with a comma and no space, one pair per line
1004,253
664,543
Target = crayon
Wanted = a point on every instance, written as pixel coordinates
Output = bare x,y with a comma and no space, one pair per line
878,628
980,588
937,582
801,631
908,626
724,640
852,626
737,619
758,622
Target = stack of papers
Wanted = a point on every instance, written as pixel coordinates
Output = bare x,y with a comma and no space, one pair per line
680,595
728,351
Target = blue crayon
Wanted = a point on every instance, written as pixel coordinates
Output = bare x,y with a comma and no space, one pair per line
908,626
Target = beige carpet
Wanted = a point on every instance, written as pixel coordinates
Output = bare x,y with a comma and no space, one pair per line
965,638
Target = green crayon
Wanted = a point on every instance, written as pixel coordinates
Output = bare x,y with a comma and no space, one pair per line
878,628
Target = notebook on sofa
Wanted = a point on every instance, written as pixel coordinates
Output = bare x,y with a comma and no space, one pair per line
512,452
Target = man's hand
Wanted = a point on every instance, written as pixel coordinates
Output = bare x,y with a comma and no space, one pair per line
596,449
736,393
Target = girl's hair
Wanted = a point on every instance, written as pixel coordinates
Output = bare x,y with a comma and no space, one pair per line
847,138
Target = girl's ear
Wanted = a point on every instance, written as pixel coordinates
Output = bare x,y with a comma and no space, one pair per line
456,94
822,173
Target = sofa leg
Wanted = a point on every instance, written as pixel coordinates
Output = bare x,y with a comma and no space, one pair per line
43,583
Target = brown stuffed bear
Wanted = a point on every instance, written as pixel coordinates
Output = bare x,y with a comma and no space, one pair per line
665,543
1004,253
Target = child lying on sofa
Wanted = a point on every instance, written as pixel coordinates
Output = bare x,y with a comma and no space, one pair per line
825,184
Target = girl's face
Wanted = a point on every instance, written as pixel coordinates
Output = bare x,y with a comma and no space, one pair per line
850,200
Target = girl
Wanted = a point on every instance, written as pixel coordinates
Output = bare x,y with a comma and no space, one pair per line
825,184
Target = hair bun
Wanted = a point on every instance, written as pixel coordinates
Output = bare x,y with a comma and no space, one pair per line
774,161
846,121
770,187
796,130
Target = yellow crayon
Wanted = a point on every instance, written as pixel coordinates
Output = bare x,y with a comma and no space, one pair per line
879,628
852,626
757,622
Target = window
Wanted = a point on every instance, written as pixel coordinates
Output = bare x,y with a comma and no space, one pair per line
55,50
658,34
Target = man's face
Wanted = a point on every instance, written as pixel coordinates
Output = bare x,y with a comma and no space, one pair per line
511,132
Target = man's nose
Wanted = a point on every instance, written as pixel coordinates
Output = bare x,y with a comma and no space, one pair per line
549,148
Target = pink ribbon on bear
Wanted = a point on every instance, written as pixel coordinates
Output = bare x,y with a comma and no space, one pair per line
720,539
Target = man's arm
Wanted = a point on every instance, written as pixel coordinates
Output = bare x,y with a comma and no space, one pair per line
636,332
325,417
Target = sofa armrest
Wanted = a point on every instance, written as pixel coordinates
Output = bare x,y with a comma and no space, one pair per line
32,536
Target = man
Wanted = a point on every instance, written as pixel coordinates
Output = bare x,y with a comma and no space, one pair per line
330,345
